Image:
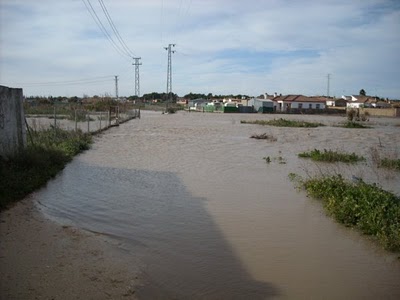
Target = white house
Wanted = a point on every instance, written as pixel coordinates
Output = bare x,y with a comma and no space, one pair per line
357,101
287,103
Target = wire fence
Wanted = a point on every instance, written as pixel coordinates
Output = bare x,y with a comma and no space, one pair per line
81,119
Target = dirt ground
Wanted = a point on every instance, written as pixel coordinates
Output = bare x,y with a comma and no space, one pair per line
40,259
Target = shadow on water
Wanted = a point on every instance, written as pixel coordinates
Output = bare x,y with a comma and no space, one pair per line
184,253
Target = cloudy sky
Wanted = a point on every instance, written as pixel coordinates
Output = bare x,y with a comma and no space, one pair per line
248,47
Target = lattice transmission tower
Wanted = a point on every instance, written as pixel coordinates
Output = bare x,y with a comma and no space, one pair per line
137,81
169,71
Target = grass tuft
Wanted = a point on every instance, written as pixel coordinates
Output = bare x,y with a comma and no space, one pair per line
390,163
331,156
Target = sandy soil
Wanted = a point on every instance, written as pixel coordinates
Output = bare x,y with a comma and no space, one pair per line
40,259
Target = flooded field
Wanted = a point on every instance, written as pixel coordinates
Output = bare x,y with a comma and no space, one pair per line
191,199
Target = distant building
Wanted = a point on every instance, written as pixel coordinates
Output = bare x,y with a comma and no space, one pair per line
262,105
289,103
358,101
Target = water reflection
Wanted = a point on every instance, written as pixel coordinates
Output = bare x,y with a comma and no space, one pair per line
191,198
184,253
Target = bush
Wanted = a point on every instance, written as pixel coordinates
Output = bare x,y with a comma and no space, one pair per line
39,162
368,207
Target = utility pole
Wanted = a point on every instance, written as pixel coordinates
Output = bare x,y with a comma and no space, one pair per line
137,83
329,78
116,86
169,71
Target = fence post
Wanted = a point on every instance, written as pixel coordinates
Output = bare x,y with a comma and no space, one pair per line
101,115
88,122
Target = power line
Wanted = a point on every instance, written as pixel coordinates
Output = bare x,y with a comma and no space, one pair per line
69,82
98,22
116,32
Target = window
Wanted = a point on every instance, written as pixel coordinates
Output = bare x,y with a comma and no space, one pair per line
318,106
300,105
310,106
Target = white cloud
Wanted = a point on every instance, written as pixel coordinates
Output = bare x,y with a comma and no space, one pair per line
246,47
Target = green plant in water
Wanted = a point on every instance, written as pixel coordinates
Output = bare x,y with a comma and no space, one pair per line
283,123
357,204
267,159
390,163
331,156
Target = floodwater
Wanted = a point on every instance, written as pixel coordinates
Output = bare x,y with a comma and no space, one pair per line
191,199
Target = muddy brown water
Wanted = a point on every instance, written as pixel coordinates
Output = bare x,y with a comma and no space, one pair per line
191,199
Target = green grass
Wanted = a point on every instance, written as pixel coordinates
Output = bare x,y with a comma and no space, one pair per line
351,124
32,168
367,207
283,123
331,156
390,164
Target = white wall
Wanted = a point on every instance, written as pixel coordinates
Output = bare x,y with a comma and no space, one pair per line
306,105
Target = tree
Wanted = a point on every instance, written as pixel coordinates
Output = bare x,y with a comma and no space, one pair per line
362,92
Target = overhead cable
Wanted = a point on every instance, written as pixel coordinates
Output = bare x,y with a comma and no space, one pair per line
98,22
114,28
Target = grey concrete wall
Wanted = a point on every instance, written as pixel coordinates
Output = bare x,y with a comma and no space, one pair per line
12,121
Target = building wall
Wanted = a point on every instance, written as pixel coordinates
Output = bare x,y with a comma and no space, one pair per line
384,112
12,121
306,105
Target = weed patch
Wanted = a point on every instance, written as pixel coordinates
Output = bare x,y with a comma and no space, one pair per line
352,124
367,207
331,156
283,123
32,168
390,164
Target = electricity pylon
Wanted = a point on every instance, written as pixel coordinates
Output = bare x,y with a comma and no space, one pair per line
137,82
169,71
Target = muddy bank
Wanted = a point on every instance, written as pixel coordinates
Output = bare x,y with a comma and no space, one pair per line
40,259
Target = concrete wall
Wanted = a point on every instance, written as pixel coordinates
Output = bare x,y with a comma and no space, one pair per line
384,112
12,121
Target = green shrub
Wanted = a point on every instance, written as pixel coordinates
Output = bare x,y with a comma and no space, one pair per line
32,168
368,207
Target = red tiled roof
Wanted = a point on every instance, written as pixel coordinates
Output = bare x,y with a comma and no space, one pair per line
299,98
